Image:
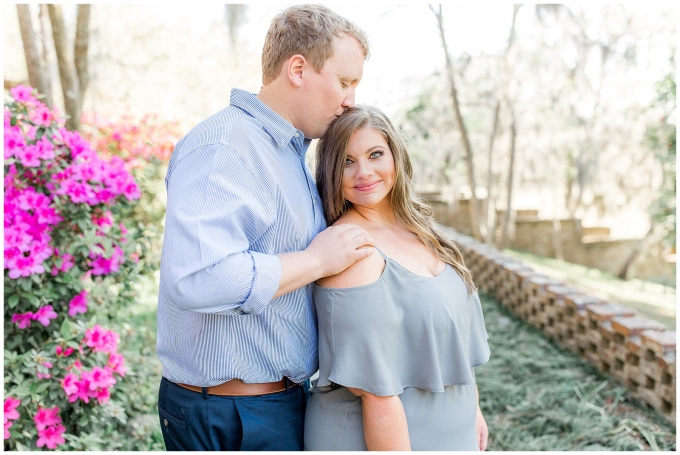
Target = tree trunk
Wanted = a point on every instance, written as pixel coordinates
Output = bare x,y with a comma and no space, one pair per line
37,76
69,81
490,207
80,51
633,254
474,217
234,15
511,172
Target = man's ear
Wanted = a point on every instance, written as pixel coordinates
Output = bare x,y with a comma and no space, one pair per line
294,69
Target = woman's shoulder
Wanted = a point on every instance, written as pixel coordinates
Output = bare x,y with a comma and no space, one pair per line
362,272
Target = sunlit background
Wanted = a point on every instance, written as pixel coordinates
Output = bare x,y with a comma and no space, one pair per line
580,80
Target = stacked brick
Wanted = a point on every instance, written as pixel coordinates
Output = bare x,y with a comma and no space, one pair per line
636,352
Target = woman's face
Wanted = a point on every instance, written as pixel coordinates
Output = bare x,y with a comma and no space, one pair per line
369,169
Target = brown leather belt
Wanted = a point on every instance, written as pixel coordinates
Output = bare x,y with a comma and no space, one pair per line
237,387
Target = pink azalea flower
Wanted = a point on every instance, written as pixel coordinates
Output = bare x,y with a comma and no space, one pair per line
51,436
105,220
110,344
77,191
45,149
29,156
46,417
117,363
101,266
14,141
100,378
24,266
22,94
61,351
8,425
82,389
131,191
10,412
70,384
41,115
100,339
103,395
78,304
44,315
22,320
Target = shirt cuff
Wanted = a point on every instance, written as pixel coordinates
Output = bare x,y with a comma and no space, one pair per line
267,276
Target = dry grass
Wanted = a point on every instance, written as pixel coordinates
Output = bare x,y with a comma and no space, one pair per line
538,396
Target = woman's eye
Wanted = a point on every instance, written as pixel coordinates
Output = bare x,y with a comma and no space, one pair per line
376,154
348,162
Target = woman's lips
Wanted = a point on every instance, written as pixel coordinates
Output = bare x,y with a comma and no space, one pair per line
367,186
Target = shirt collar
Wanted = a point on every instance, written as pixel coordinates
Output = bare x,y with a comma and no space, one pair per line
279,129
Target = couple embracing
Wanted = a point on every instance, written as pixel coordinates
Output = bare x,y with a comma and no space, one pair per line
268,276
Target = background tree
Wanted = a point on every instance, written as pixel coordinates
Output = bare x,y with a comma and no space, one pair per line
474,211
37,74
72,58
72,64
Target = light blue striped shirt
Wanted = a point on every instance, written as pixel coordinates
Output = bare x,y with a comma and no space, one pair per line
239,192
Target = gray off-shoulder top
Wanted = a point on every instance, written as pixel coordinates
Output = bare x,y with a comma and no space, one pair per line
403,330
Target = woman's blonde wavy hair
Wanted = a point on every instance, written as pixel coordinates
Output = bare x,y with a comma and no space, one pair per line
409,209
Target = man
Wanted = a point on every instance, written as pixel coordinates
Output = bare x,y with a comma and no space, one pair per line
237,330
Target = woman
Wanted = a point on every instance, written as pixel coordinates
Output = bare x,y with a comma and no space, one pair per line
399,331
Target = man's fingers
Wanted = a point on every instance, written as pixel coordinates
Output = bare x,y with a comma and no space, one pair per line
363,252
363,240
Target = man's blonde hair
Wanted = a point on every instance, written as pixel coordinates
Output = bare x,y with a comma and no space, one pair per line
307,30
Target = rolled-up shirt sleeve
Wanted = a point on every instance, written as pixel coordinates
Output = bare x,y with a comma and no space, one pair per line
218,206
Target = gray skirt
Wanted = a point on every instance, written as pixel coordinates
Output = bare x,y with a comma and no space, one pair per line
436,420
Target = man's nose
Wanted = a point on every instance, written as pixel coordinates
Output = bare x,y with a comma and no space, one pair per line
349,100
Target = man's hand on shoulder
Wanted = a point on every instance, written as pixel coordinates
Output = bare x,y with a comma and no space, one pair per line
338,247
362,272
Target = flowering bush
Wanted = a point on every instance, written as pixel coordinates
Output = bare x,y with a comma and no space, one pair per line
145,144
70,265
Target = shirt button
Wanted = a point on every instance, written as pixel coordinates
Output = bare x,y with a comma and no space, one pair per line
165,422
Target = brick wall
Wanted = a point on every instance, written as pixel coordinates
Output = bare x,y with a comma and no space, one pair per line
588,246
636,352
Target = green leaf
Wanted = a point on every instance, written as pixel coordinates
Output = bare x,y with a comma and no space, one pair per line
65,330
83,420
25,283
13,300
21,392
42,387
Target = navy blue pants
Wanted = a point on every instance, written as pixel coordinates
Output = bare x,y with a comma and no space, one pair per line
198,421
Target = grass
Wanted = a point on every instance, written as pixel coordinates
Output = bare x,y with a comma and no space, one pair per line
536,395
652,300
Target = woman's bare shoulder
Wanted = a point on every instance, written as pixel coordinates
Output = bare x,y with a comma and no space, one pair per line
362,272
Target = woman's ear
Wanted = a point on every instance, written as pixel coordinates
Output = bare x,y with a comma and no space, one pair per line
294,69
